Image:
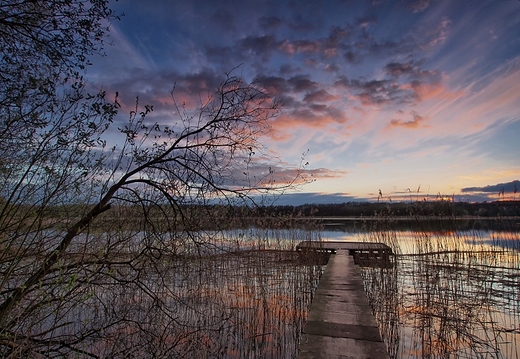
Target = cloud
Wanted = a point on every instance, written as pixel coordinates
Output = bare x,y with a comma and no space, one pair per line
497,142
397,69
411,70
383,47
225,56
302,83
437,36
350,40
423,83
153,86
315,116
363,45
274,84
319,96
287,69
377,92
419,5
264,170
286,89
415,123
404,83
336,41
124,52
366,21
423,91
199,83
330,112
327,173
311,111
351,56
359,66
312,63
495,188
298,46
508,190
331,68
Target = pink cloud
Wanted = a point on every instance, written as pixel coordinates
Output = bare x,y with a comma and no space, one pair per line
327,173
294,47
330,52
317,116
414,123
423,91
263,170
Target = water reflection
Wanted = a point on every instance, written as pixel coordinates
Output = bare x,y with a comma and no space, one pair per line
451,293
480,240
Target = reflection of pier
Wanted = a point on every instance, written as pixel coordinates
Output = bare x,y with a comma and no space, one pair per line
340,322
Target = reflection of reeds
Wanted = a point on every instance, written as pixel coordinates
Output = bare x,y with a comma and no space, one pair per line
241,294
383,294
455,295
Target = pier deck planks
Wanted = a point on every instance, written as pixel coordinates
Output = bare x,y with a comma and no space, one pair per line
340,322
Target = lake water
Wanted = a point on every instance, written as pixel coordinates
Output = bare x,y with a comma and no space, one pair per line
453,290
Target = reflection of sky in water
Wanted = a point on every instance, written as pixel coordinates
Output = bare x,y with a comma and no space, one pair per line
429,241
505,240
463,301
330,235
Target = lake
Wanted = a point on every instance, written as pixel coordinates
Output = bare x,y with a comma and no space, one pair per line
452,290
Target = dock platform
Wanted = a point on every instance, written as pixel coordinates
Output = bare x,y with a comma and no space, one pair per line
364,253
340,322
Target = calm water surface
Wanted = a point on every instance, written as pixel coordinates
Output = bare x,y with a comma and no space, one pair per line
453,290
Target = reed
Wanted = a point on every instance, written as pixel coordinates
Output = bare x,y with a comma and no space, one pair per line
449,293
240,294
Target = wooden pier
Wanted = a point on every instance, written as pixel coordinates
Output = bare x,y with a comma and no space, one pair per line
359,250
340,322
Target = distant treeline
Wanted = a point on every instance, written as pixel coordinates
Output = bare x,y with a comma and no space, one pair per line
424,208
224,217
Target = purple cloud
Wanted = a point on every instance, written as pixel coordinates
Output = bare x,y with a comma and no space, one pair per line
319,96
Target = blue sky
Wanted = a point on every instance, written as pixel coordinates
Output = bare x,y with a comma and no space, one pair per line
404,97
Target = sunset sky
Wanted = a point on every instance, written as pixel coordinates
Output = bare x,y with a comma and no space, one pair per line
412,98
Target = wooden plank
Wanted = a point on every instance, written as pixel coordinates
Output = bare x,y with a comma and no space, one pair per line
339,245
340,322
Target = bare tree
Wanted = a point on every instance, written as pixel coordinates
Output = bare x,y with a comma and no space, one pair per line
62,265
44,45
94,240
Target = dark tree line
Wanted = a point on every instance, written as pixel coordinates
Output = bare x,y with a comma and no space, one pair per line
401,209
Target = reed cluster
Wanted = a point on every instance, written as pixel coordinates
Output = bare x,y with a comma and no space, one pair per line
449,293
239,294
